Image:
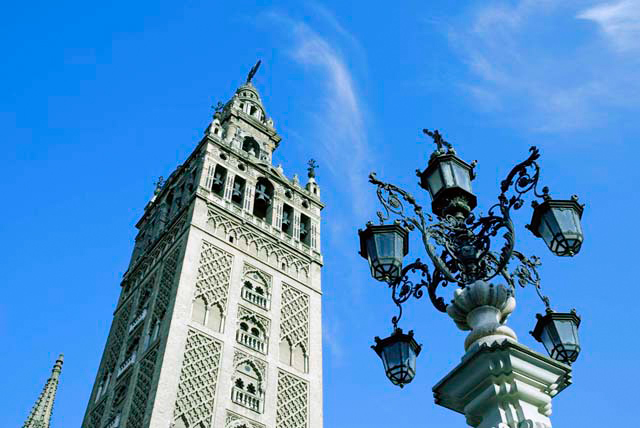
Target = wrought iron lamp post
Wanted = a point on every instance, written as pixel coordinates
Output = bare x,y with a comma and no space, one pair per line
459,246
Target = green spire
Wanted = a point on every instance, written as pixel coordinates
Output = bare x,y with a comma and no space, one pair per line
40,415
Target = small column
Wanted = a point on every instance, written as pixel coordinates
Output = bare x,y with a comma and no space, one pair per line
315,235
250,188
228,187
296,225
276,212
499,383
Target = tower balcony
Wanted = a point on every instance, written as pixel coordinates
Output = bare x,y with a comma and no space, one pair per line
251,341
255,298
246,399
126,364
137,320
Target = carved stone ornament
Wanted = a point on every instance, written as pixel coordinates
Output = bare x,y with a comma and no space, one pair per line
503,385
483,308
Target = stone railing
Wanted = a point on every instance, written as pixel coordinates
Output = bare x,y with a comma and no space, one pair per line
246,399
253,297
126,364
251,341
138,319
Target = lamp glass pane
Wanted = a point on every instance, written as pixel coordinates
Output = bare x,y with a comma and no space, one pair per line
447,173
435,182
385,244
463,179
566,220
567,331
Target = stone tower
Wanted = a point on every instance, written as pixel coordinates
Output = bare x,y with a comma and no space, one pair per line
218,323
40,415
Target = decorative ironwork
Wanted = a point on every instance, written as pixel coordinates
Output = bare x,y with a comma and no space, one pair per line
460,247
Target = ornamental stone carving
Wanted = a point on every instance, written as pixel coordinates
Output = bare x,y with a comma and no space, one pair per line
213,276
483,308
198,379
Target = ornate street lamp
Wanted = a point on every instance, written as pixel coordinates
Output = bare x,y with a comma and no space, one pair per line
448,180
398,353
558,332
385,247
459,246
557,222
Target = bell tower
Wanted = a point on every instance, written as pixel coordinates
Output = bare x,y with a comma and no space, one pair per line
218,323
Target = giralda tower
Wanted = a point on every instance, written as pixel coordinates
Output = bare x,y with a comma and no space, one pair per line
218,323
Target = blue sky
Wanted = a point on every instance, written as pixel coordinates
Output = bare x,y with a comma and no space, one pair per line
99,99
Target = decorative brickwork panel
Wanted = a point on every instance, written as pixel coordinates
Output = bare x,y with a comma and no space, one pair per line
294,317
145,292
198,379
120,329
142,390
96,416
258,243
166,283
292,407
214,273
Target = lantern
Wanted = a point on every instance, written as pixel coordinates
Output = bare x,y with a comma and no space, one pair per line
558,332
448,180
384,246
398,353
557,222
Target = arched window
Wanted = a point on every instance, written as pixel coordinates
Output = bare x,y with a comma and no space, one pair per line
210,316
219,180
305,229
263,200
199,312
251,146
285,352
299,358
214,318
237,195
255,290
252,334
287,219
247,389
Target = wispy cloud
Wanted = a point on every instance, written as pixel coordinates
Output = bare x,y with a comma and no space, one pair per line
339,118
619,21
534,61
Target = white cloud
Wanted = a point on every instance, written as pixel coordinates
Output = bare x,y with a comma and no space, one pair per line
339,119
534,63
620,22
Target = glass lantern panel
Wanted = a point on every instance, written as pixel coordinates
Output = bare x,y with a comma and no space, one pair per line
435,182
566,220
447,173
393,355
461,174
567,332
385,244
545,231
550,337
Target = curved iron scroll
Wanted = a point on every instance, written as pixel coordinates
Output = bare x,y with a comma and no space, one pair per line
465,242
404,288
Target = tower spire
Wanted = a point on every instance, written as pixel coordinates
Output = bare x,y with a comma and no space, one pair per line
40,415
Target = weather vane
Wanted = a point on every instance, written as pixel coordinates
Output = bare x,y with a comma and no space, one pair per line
312,168
253,71
437,138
